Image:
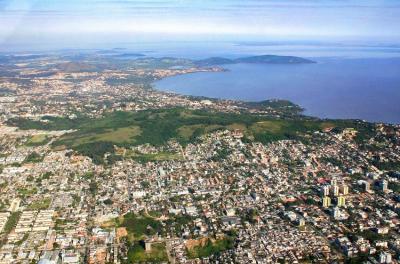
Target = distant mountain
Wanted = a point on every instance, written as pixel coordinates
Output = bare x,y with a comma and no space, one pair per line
263,59
274,59
214,61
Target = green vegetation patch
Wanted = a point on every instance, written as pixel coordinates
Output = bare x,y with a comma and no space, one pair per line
160,156
137,253
11,222
387,165
178,222
394,186
372,236
40,204
272,130
38,140
114,135
24,192
139,226
222,154
95,137
95,150
34,157
48,123
191,132
210,248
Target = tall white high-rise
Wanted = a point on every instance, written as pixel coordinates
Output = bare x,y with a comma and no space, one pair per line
344,189
341,201
325,190
335,190
326,201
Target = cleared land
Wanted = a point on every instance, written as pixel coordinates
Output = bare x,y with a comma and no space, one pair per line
117,135
38,140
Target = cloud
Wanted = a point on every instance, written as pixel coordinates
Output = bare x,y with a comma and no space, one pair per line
330,18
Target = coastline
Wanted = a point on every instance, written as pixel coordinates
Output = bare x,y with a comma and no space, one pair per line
356,106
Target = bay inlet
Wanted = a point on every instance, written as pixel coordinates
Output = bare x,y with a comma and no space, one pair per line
341,88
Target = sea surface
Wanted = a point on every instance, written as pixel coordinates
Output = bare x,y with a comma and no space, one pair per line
334,87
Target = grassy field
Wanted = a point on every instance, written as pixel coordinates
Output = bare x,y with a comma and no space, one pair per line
38,140
40,204
137,254
118,136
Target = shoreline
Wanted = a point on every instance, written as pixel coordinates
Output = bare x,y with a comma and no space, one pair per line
155,86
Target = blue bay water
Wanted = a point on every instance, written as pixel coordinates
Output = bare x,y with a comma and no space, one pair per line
332,88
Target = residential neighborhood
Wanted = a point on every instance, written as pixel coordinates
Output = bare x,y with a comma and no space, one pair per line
216,193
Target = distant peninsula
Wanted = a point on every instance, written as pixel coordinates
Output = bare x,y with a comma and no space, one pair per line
263,59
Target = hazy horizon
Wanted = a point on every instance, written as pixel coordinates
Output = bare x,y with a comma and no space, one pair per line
42,24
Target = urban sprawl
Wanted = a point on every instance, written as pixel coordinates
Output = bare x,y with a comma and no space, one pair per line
96,166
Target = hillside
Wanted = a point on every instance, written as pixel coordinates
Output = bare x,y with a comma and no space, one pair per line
263,59
273,59
214,61
94,137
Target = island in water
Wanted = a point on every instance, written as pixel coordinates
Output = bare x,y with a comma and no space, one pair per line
262,59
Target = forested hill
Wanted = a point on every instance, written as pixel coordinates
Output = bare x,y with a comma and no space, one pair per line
263,59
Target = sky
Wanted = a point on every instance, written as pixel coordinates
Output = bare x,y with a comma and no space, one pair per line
29,23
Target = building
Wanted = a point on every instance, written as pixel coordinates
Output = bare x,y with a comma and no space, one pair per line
49,257
325,190
147,245
301,222
385,257
334,182
367,186
70,258
335,190
341,201
344,189
326,201
336,213
230,212
382,185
